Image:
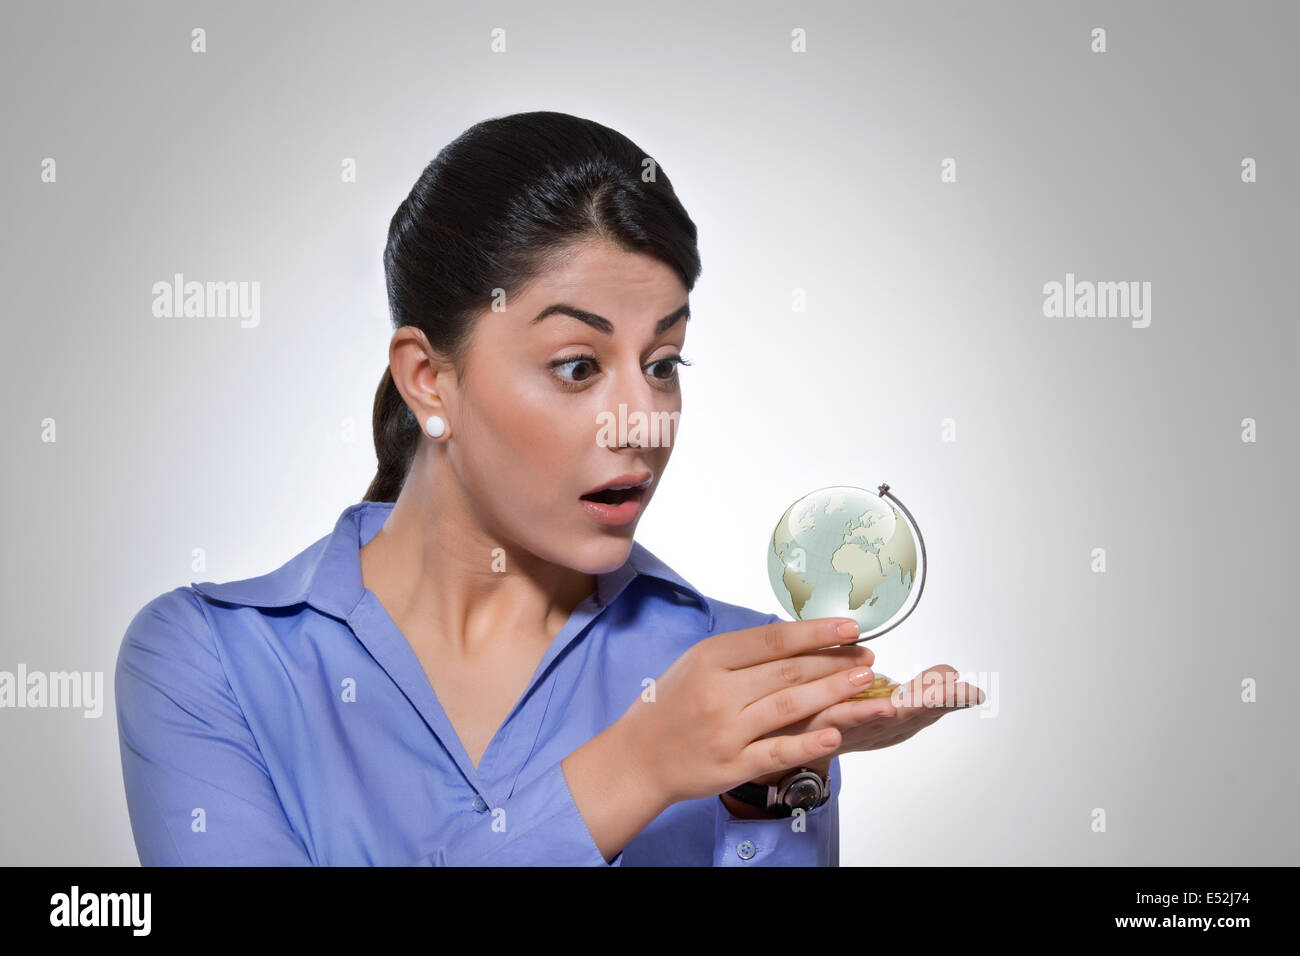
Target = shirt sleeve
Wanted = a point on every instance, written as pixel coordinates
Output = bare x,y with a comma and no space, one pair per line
540,825
781,841
197,788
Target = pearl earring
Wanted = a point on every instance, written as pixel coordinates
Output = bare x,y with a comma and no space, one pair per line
435,426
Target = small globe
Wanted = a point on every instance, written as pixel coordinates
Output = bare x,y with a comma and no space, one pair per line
844,552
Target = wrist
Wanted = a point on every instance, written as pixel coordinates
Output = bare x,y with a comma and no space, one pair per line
747,811
614,794
820,766
645,783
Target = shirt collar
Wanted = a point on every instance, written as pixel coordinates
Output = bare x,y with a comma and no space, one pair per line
327,574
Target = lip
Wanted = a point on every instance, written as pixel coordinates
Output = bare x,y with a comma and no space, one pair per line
614,515
642,480
625,512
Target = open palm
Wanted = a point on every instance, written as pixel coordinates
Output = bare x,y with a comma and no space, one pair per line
885,721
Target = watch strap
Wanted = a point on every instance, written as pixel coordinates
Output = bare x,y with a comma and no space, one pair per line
766,797
758,795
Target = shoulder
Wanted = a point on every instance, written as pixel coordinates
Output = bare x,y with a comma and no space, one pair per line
736,617
168,663
171,635
294,582
722,616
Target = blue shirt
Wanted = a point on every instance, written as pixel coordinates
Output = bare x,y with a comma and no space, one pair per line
285,720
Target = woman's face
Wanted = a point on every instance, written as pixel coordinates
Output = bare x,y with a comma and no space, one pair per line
553,407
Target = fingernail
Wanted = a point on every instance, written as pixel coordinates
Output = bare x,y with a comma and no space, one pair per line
863,676
848,629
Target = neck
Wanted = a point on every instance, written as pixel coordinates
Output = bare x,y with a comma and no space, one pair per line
434,562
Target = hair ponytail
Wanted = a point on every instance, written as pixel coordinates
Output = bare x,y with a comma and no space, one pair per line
396,433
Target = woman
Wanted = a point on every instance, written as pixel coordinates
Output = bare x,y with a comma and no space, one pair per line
479,665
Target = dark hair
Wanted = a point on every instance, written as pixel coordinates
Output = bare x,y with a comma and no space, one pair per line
498,206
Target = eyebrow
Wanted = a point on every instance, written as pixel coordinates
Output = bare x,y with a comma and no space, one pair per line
603,325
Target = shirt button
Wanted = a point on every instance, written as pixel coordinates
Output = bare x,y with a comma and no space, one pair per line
479,804
745,849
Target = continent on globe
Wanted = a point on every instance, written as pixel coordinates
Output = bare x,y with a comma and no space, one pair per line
843,552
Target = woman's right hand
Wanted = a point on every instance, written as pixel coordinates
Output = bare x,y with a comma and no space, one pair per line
703,733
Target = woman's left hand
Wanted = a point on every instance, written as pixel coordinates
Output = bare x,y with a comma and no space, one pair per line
885,721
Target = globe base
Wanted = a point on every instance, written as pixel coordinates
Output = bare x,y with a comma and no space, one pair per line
882,686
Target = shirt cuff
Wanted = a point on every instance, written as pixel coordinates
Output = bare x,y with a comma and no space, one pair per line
540,825
813,840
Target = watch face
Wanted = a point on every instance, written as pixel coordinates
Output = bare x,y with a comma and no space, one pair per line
804,793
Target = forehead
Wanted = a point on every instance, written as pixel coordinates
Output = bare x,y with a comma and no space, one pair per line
625,287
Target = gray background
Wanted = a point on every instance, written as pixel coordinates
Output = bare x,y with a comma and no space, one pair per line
816,171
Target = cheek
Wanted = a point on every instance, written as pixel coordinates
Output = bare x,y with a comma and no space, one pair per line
529,448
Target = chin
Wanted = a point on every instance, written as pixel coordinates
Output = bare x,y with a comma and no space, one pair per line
607,552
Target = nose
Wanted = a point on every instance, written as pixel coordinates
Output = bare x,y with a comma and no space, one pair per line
645,415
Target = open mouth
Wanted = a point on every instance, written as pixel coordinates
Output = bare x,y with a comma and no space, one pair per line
618,503
615,497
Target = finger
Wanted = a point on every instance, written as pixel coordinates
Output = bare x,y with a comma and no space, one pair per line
934,687
964,695
849,653
770,642
865,711
780,753
967,695
937,689
789,704
763,679
850,714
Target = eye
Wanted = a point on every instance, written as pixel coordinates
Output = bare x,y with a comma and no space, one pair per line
585,364
578,360
672,361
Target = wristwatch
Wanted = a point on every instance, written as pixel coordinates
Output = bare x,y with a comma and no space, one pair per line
801,788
